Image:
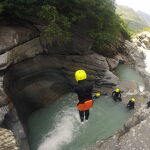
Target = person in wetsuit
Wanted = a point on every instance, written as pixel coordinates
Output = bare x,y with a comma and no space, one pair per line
148,104
131,104
116,95
97,95
84,92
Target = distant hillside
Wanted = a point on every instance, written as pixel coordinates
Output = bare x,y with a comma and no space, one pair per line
132,18
145,16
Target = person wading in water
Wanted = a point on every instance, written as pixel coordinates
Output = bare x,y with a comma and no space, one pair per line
116,95
84,91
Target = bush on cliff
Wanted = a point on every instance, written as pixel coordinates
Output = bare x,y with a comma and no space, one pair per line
104,25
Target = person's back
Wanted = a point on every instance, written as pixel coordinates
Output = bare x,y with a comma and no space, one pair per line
116,95
84,90
131,104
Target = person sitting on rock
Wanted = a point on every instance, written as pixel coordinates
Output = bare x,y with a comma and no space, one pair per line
116,95
84,92
97,95
131,104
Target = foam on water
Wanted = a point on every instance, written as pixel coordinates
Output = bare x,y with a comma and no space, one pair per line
141,88
63,132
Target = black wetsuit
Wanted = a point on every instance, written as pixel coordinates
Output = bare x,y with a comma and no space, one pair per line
116,96
84,92
148,104
95,97
130,105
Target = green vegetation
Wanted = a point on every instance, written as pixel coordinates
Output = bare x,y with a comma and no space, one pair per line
132,19
103,24
146,29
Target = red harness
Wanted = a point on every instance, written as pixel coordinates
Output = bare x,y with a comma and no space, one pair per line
86,105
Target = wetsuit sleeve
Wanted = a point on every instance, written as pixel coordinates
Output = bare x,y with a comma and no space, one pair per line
129,104
119,95
94,97
113,93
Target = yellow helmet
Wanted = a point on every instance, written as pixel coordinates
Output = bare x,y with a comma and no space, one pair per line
117,90
80,75
97,94
132,99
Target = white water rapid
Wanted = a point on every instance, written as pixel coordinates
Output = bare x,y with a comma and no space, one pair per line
63,131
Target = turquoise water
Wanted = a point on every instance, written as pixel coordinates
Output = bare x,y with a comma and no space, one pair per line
58,127
127,73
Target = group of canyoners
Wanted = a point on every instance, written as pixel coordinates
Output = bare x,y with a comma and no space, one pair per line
85,99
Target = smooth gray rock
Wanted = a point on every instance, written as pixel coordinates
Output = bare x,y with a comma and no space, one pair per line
25,51
112,62
12,34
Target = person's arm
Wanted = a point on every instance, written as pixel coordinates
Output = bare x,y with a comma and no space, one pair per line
128,104
113,93
119,95
133,104
94,97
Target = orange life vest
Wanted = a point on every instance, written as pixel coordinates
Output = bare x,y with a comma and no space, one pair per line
86,105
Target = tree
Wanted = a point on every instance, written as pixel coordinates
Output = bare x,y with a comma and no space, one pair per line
103,23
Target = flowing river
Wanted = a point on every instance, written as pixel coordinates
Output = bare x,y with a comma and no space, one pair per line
57,127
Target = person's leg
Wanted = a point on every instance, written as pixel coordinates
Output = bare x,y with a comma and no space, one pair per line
119,98
81,114
87,114
114,98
